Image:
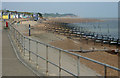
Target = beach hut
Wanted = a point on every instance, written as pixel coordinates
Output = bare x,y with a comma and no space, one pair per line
12,16
16,15
21,16
5,16
9,16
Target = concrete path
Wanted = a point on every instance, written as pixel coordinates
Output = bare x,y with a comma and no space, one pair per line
11,66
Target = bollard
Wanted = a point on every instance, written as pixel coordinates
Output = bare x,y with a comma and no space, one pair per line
6,24
29,30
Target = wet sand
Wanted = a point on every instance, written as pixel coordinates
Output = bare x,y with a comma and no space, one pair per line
39,32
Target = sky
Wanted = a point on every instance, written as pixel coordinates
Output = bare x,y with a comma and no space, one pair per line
60,0
81,9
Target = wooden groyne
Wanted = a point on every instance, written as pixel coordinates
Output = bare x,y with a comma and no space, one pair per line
76,33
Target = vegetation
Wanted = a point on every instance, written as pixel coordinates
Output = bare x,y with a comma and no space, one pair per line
58,15
28,13
40,15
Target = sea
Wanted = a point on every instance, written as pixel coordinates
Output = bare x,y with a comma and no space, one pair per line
109,27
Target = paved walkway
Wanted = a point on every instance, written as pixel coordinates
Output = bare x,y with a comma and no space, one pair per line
11,66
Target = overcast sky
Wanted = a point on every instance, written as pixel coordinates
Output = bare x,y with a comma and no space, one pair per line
82,9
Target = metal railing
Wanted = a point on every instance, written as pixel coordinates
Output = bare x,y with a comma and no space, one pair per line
30,50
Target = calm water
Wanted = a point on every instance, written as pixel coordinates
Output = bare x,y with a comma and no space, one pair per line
108,27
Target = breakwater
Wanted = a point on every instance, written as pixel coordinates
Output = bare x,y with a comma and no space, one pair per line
100,31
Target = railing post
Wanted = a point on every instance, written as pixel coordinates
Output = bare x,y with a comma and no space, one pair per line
15,35
17,38
22,43
24,46
59,62
37,56
46,59
78,66
105,71
10,31
29,50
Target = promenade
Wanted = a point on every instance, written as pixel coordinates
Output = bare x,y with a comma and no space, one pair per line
11,66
